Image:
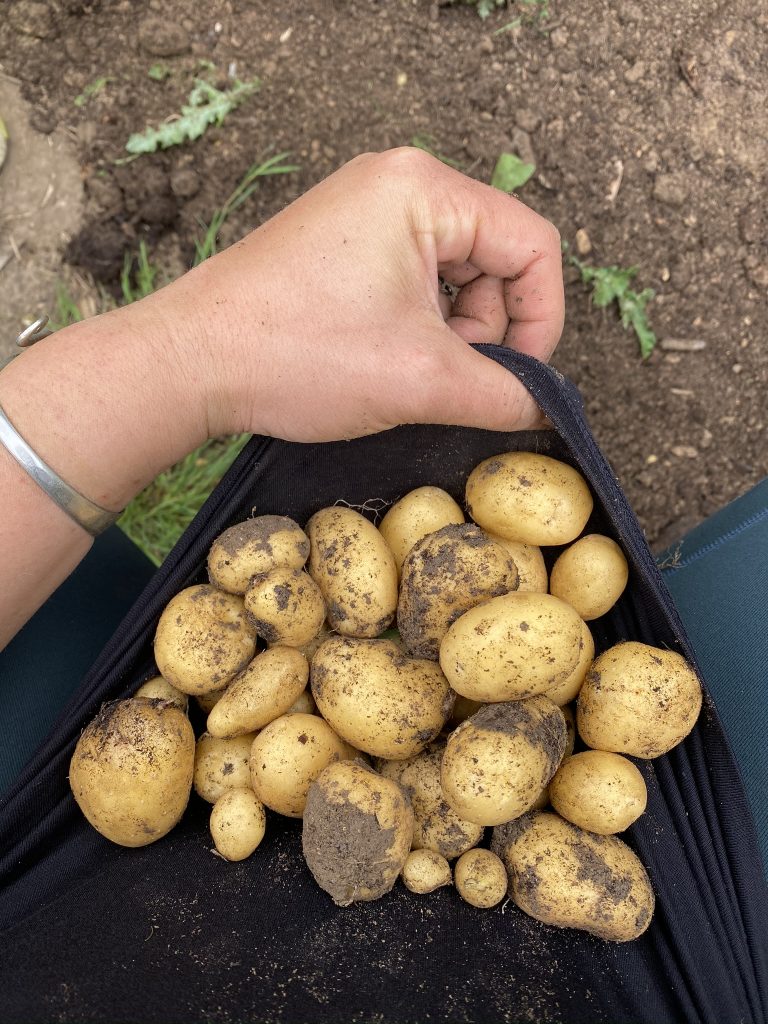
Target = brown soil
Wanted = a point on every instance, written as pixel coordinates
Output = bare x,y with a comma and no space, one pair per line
646,122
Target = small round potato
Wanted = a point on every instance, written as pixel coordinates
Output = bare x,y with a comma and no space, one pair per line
377,699
208,701
598,791
638,700
158,688
497,762
288,755
529,560
256,546
262,692
444,575
222,764
481,878
357,832
568,689
529,498
590,575
564,876
203,639
414,516
512,647
131,772
285,607
355,570
424,871
238,823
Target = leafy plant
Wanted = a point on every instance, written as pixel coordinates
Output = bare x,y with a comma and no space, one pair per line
487,7
511,173
159,72
429,145
92,90
612,284
137,284
206,105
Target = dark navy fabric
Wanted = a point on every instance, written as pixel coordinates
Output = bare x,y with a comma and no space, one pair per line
91,932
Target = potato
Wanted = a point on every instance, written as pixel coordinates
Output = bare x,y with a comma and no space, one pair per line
529,498
288,755
598,791
256,546
564,876
355,570
222,764
444,575
414,516
464,708
208,701
285,607
308,650
424,871
512,647
238,823
497,762
570,728
131,772
377,699
529,562
481,878
158,688
638,700
436,826
590,575
203,639
262,692
303,705
356,833
568,688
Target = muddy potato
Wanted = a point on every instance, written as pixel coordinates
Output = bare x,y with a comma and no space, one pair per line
564,876
238,823
208,701
529,561
303,705
158,688
285,607
512,647
377,699
262,692
444,575
222,764
481,878
436,826
414,516
424,871
131,772
355,570
496,763
288,755
542,800
590,575
356,833
568,688
256,546
598,791
529,498
638,700
203,639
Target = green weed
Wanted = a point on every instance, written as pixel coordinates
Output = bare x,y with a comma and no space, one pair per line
136,283
92,90
612,284
159,72
511,173
429,145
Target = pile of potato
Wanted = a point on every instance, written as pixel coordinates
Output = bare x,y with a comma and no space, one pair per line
398,750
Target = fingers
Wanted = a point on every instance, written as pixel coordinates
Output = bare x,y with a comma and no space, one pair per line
479,314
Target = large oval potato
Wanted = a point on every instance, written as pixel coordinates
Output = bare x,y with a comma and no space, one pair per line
262,692
414,516
203,639
598,791
285,607
529,561
568,689
355,570
590,575
222,764
131,772
564,876
497,763
357,832
256,546
529,498
376,698
638,700
444,575
512,647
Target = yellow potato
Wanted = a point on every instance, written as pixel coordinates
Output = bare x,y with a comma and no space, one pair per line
203,639
379,700
590,575
481,878
303,705
529,561
512,647
285,607
564,876
424,871
529,498
256,546
568,689
222,764
158,688
238,823
464,708
262,692
207,701
414,516
598,791
638,700
355,570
